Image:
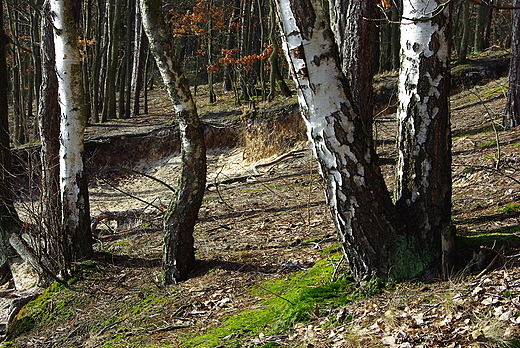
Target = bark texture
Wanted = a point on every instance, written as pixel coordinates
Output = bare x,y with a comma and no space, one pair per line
8,216
73,183
354,25
356,193
49,130
423,178
375,237
179,254
512,113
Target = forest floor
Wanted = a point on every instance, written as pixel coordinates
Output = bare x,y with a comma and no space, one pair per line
269,231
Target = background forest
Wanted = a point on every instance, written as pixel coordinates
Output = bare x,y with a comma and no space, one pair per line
234,43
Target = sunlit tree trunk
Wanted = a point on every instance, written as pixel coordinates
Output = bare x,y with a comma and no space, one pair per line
179,253
73,183
512,112
138,62
423,170
373,236
356,193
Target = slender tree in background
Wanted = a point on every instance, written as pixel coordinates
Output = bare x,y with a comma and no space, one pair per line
464,41
374,241
482,28
179,222
73,183
275,76
9,220
512,112
113,22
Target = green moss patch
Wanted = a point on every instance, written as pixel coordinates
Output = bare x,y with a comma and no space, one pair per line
295,299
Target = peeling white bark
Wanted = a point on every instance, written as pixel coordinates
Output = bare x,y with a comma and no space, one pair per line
417,33
355,190
71,100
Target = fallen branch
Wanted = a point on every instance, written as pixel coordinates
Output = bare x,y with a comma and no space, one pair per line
125,218
295,153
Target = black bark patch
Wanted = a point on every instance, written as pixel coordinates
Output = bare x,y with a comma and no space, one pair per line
304,15
299,52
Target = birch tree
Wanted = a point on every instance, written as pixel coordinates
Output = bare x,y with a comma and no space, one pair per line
73,184
374,238
423,173
179,222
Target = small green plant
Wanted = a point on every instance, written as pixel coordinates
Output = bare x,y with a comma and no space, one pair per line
487,144
509,209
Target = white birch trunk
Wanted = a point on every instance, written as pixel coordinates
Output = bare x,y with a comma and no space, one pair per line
356,192
423,171
72,126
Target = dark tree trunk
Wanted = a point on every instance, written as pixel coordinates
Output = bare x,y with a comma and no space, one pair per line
512,112
49,128
275,76
113,22
8,217
179,253
356,31
230,44
464,41
482,28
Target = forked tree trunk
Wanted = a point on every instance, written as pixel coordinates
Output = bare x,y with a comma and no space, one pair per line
179,253
374,241
512,112
73,183
356,193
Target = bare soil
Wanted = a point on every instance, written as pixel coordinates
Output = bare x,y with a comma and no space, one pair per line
272,222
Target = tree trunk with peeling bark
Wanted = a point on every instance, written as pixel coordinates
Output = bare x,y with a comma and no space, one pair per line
179,253
512,112
373,236
423,170
73,183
